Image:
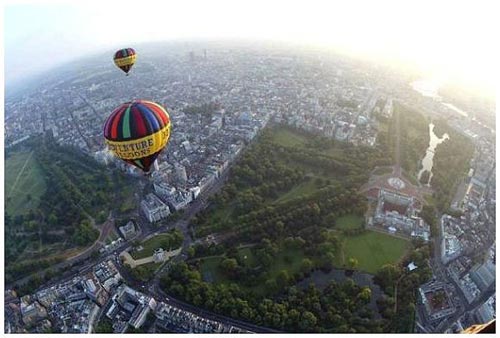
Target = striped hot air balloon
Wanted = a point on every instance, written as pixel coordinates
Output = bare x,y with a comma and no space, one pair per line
125,59
137,132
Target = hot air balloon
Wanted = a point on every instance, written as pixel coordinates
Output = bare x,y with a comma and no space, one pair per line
137,132
125,59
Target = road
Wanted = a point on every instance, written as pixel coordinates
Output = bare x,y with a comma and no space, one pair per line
397,155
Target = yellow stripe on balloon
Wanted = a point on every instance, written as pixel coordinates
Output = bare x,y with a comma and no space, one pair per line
143,147
129,60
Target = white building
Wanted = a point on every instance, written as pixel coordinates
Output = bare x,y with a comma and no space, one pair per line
128,230
180,199
163,188
154,209
180,173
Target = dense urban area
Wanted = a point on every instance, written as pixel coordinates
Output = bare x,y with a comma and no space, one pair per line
300,191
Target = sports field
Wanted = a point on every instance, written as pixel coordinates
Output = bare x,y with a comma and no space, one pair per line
373,250
24,183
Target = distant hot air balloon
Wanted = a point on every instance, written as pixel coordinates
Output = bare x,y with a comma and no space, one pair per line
137,132
125,59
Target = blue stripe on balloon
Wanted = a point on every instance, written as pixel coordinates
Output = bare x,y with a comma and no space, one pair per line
151,117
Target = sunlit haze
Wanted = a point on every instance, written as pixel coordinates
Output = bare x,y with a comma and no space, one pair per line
445,39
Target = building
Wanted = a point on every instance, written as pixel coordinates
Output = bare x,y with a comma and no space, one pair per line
180,173
486,311
483,275
435,297
130,306
139,316
154,209
91,289
32,313
107,274
396,213
159,255
195,191
179,200
163,189
128,230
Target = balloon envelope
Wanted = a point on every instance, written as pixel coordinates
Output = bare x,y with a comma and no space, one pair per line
137,132
125,59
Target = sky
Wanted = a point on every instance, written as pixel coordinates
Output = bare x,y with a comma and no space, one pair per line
445,39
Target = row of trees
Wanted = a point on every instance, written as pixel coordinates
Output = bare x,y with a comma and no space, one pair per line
77,186
396,278
451,164
337,308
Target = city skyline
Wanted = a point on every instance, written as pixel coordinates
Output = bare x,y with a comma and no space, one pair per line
430,38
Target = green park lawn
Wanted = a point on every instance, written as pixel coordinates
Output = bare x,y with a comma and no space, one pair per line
349,222
149,246
382,171
288,138
287,259
247,256
373,250
146,271
24,183
210,269
300,190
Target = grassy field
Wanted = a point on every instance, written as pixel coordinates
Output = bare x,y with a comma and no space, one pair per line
146,271
129,203
247,256
288,138
222,214
288,259
24,183
149,246
301,189
382,171
373,250
210,269
349,222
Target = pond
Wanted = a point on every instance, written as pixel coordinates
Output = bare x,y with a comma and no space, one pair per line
428,159
322,280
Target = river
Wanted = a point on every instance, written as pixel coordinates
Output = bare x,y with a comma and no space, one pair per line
430,88
428,159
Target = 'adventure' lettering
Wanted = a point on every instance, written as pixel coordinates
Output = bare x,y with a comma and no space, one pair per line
121,148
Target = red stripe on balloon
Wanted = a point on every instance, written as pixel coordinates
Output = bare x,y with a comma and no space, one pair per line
138,121
116,120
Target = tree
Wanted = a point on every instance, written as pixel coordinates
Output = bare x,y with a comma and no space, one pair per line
387,276
365,294
306,265
283,278
308,321
104,326
52,220
230,267
353,263
271,285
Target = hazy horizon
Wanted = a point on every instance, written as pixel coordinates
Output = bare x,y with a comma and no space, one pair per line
419,35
